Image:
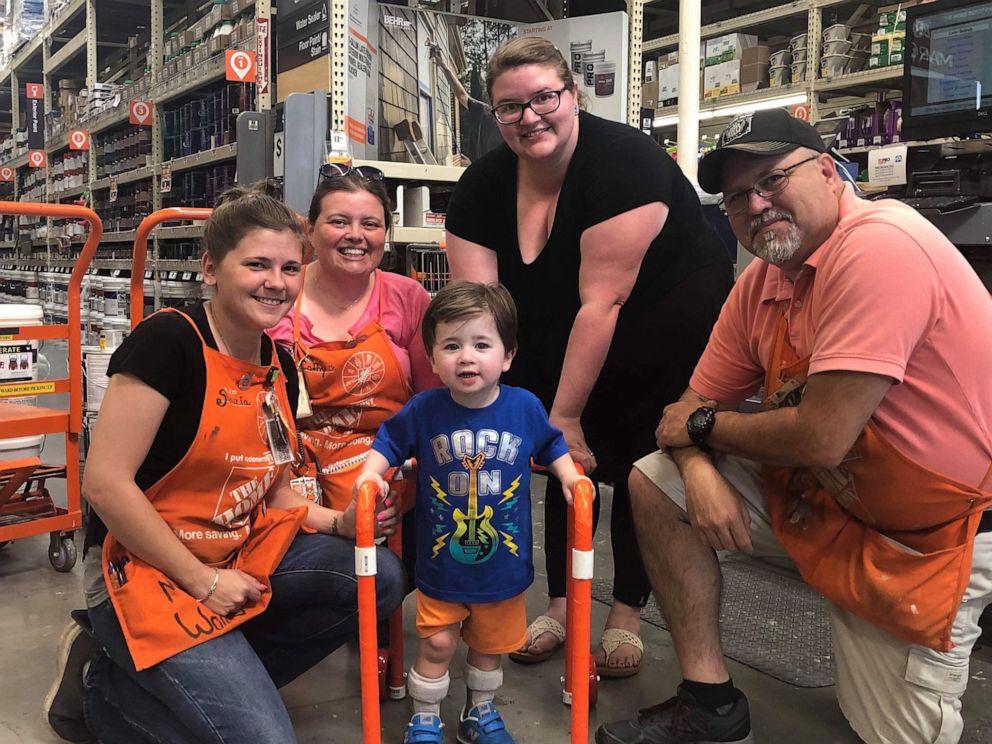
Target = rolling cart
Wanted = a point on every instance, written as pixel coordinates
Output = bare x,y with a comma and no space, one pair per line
26,507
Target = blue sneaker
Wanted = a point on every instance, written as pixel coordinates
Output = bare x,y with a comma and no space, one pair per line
424,728
483,725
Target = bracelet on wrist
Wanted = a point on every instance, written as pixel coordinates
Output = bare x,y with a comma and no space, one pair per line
213,586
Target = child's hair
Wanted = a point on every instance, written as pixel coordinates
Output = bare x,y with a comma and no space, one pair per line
242,209
462,300
352,183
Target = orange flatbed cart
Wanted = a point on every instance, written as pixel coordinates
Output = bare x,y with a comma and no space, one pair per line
26,507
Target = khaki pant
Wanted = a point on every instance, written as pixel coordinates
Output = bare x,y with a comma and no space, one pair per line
891,692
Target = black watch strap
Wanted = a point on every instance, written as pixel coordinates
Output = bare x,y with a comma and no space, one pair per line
699,425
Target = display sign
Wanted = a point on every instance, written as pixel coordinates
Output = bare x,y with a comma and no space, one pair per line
140,113
37,158
239,66
6,173
79,139
113,188
800,111
35,95
262,56
302,31
887,166
597,53
165,180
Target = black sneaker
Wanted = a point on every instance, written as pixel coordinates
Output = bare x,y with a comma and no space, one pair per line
681,719
64,703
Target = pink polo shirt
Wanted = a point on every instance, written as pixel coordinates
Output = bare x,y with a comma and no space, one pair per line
406,301
886,294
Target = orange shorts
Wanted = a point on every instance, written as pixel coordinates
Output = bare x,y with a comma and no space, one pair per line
487,627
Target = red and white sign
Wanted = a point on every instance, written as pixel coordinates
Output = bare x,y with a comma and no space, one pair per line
6,173
79,139
800,111
113,189
262,56
165,180
140,113
37,158
34,90
240,66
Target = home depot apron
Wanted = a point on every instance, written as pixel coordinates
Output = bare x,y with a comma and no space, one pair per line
879,535
213,500
353,386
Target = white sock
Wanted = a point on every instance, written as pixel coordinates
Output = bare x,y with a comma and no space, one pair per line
482,685
427,693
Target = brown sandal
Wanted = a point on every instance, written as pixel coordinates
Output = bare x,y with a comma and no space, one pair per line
610,641
542,624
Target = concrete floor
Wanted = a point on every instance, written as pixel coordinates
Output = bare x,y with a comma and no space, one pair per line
325,703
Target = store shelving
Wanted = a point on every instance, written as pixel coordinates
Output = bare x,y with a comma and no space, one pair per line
200,159
416,171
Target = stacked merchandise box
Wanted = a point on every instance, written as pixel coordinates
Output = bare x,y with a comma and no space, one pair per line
723,58
844,51
888,41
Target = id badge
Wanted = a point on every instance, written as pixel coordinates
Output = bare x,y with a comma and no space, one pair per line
277,432
308,486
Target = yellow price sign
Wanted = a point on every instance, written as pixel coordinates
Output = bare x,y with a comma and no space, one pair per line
6,337
13,389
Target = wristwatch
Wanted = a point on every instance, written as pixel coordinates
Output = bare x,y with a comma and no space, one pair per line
699,425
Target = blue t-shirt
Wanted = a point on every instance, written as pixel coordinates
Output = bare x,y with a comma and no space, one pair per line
473,489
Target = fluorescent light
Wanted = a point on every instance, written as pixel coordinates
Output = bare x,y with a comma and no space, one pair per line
734,109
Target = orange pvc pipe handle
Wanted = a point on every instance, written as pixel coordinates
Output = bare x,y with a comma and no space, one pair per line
368,495
580,604
75,284
141,249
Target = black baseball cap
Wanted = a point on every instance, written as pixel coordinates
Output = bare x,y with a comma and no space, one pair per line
770,132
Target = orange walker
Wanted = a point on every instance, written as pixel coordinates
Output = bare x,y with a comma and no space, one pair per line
29,512
580,680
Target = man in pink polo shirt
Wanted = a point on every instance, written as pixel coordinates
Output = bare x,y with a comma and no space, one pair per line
869,466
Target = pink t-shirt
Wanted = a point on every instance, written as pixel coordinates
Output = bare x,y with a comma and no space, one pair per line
402,313
888,294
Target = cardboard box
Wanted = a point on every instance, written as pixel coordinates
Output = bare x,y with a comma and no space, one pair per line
755,54
730,77
667,60
711,82
729,47
668,84
649,95
754,76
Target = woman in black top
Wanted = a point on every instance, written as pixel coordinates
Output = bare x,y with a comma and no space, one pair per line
618,279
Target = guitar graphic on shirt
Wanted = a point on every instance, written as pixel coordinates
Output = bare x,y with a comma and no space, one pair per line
475,539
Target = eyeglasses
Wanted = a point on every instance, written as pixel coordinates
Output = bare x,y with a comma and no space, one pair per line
364,172
768,185
541,104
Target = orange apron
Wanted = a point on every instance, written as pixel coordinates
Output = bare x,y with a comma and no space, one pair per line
353,386
213,500
879,535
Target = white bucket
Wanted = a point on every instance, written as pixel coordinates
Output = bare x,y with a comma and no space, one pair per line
19,359
17,448
95,362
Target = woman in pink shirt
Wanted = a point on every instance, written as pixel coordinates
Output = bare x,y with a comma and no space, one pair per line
354,332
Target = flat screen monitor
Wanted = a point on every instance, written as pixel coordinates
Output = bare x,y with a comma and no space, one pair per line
947,73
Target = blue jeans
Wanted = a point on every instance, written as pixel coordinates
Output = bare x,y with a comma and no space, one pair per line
225,690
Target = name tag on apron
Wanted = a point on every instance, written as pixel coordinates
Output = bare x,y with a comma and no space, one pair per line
308,486
277,431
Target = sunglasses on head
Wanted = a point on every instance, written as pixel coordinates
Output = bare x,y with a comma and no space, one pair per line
364,172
